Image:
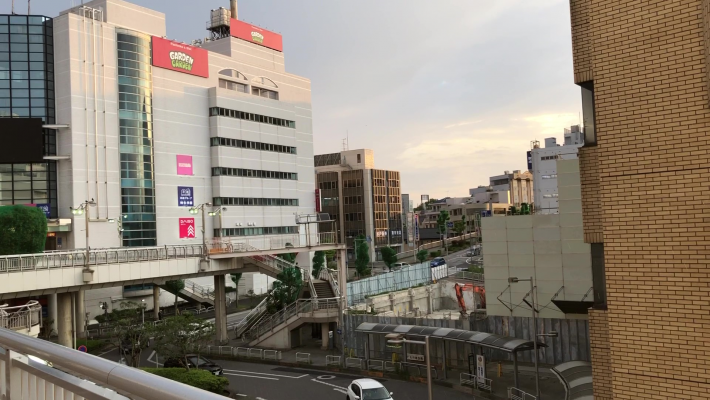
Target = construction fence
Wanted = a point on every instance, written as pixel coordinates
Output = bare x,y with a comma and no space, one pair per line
415,275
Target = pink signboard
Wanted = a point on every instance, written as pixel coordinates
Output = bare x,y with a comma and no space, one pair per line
187,228
254,34
180,57
184,165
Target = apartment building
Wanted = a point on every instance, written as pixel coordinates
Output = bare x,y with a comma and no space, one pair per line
514,187
543,163
643,72
361,199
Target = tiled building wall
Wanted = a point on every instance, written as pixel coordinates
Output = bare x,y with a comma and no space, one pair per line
581,40
601,363
591,199
652,118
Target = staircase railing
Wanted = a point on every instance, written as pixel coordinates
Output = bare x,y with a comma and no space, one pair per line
327,275
302,306
21,317
203,291
311,286
256,313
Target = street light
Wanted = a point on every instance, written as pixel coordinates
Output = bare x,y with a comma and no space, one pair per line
534,318
84,208
218,211
196,210
119,227
396,338
143,310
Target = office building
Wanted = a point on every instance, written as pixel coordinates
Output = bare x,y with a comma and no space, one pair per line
544,168
643,72
361,199
514,187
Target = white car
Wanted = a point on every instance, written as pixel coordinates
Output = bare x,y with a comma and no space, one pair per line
367,389
400,265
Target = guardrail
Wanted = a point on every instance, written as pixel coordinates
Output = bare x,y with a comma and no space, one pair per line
353,362
272,355
25,360
206,292
483,384
327,275
255,353
271,242
21,317
303,358
332,360
391,366
419,368
375,365
303,306
433,245
517,394
256,313
471,276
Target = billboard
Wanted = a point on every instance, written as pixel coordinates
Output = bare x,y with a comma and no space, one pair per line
254,34
180,57
22,140
186,196
184,165
187,228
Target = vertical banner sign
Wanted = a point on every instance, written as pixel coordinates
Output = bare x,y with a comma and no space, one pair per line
254,34
184,165
186,196
416,227
180,57
530,161
318,203
481,368
187,228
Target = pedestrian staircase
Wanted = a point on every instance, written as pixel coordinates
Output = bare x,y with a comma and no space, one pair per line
195,293
24,319
323,289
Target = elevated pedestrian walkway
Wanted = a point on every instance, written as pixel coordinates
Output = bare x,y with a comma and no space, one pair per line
26,319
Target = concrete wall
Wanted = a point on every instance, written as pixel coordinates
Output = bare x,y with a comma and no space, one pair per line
549,248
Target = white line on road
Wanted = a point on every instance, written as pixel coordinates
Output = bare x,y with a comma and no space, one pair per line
262,373
329,384
251,376
341,390
106,352
259,398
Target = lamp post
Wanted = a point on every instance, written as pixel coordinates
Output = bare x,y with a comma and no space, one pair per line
143,311
84,208
396,338
218,211
104,306
534,318
119,227
201,209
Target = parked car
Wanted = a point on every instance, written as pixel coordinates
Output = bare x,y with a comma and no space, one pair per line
194,361
399,265
367,389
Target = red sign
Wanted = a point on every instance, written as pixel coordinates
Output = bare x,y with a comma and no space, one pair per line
187,228
257,35
318,205
180,57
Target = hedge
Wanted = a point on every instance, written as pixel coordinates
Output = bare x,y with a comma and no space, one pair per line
195,377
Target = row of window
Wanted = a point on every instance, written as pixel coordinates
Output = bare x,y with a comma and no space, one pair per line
253,173
351,183
544,158
225,112
353,216
261,92
234,86
246,144
253,201
352,200
328,185
272,230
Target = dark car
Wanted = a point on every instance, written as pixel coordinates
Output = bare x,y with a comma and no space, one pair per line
437,262
194,361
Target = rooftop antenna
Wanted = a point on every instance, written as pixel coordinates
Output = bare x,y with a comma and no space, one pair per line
345,146
13,7
28,8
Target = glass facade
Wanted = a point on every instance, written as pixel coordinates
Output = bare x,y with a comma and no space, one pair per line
135,87
27,91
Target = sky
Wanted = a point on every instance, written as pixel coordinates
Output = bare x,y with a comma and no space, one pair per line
448,92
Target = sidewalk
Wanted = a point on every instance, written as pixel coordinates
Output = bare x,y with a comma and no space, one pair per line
314,357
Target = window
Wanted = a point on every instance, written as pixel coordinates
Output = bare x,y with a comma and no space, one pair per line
248,201
234,86
588,113
274,230
253,173
224,112
269,94
358,159
245,144
598,275
233,73
265,81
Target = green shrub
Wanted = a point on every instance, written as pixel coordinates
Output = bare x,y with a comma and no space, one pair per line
92,346
195,377
434,254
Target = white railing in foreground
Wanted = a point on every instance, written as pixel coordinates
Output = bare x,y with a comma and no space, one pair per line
21,317
26,375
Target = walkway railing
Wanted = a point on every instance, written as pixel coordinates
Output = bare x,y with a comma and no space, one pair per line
476,277
205,292
517,394
26,375
303,306
274,242
256,313
327,275
21,317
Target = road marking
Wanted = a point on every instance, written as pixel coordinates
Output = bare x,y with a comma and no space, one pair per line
324,377
250,376
329,384
241,395
153,361
341,390
259,398
104,353
261,373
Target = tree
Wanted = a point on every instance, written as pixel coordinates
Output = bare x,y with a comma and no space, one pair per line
441,221
459,227
422,255
129,333
236,278
362,256
290,257
23,230
286,288
175,287
330,258
389,256
318,263
181,335
423,206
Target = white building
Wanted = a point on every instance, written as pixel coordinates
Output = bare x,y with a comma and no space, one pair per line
544,168
157,127
514,187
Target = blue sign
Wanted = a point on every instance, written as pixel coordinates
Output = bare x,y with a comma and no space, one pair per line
530,161
186,196
450,224
83,349
486,213
44,208
339,331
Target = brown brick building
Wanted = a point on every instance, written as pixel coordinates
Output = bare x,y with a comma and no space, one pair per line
643,67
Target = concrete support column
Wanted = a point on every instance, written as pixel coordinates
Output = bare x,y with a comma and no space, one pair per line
220,309
64,322
343,285
156,302
80,314
52,311
324,329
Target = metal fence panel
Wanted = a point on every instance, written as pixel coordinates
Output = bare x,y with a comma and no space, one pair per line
405,278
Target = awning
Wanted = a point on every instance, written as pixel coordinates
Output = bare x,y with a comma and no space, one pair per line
489,340
576,376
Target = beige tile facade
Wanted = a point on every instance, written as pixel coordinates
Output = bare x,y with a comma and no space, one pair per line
646,192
